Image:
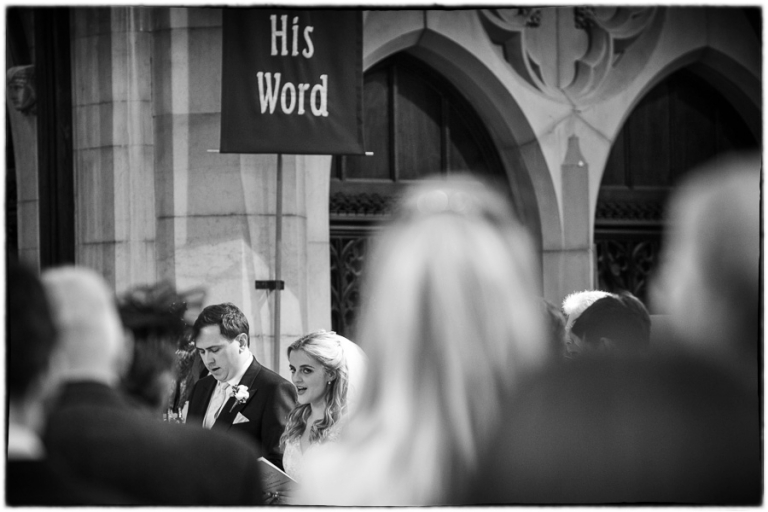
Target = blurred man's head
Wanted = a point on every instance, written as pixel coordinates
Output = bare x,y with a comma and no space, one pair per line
32,339
611,322
92,342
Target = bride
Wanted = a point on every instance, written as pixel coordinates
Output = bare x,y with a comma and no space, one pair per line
327,370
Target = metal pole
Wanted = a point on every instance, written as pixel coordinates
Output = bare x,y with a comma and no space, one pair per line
278,244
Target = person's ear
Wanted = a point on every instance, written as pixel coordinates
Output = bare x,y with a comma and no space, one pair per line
242,340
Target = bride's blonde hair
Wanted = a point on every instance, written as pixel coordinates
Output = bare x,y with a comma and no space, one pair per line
325,347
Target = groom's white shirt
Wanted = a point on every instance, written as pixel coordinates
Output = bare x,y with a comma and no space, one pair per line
234,381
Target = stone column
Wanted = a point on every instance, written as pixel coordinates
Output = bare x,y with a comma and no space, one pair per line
24,130
113,144
216,212
577,256
318,269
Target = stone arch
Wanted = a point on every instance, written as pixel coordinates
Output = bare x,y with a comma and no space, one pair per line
734,81
511,132
719,45
632,225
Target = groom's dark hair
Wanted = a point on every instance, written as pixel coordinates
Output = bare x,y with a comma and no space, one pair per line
227,316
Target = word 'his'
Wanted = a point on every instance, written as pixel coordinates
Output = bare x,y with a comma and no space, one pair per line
292,97
283,36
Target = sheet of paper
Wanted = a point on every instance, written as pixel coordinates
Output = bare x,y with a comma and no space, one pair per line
273,479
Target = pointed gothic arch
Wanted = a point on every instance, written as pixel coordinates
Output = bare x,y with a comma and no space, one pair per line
683,121
417,125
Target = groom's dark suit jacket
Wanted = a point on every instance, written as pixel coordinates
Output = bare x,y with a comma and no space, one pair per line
103,438
270,399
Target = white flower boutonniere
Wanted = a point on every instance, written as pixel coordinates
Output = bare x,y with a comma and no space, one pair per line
240,392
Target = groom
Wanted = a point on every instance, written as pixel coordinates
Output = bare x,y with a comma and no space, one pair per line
239,394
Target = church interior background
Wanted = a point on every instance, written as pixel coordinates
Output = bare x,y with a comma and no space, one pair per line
586,117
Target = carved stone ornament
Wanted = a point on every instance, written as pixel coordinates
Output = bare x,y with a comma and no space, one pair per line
20,81
571,54
357,205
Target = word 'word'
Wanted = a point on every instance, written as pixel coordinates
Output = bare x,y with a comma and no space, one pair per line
291,94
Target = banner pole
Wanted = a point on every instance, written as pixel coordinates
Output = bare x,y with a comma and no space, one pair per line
278,244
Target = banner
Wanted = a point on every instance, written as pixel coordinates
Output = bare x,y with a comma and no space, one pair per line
292,81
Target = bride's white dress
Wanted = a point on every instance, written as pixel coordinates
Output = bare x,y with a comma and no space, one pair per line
293,457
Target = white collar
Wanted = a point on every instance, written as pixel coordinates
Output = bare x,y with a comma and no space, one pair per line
23,443
234,381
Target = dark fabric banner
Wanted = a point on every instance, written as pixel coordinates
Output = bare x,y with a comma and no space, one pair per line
292,81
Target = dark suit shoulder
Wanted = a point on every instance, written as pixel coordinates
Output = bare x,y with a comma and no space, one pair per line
609,429
142,456
43,483
279,390
270,377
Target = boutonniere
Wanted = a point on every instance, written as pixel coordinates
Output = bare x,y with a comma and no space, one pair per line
240,392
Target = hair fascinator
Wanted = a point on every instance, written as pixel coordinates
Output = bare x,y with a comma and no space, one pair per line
158,307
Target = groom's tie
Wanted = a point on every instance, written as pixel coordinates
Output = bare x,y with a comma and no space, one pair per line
217,402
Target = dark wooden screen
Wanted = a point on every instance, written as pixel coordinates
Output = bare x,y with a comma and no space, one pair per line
681,123
416,124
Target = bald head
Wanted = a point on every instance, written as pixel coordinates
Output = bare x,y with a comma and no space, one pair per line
92,342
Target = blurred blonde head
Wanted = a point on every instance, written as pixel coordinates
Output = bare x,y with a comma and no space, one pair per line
450,317
92,345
